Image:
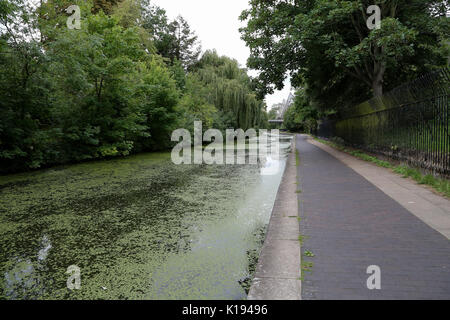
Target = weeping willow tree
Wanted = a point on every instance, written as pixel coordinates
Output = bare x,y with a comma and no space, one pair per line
229,89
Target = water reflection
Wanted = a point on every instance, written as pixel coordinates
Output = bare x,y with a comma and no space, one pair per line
22,280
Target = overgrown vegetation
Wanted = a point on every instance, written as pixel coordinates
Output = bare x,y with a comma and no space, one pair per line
306,266
301,116
308,253
301,239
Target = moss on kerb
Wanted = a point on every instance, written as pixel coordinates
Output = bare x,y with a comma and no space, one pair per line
139,228
297,158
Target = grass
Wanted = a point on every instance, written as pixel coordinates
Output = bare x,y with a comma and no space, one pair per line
298,191
308,253
301,239
307,265
439,184
297,158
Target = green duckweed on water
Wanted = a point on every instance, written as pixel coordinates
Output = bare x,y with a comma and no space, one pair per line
138,228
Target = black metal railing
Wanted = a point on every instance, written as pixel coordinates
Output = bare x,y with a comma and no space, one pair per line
410,123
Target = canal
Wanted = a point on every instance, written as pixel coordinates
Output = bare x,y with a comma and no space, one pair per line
137,228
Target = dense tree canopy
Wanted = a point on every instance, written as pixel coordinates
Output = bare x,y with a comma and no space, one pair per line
107,6
106,89
173,39
301,116
325,45
220,82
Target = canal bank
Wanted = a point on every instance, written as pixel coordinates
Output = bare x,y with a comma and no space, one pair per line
278,273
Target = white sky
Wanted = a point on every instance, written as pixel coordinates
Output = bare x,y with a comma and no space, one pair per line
216,22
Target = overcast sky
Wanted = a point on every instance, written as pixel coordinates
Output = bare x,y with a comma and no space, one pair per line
216,22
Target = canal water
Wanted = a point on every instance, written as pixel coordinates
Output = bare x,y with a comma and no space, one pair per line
137,228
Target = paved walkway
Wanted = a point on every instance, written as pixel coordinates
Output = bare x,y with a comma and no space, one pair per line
350,224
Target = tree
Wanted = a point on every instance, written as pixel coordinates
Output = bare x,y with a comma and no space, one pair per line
83,94
52,16
101,90
326,43
24,90
154,20
121,95
107,6
186,48
194,107
173,39
228,87
6,7
301,116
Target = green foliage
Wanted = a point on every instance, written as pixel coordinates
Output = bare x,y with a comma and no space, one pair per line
327,48
24,92
114,86
440,184
193,107
107,6
221,82
301,116
103,91
308,253
173,39
51,16
369,158
179,75
301,239
92,93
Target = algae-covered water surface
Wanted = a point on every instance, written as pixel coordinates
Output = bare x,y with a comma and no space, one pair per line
137,228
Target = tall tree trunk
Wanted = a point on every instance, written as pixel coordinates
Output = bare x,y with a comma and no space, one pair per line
377,85
379,68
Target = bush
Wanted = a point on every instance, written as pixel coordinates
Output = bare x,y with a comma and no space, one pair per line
338,140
